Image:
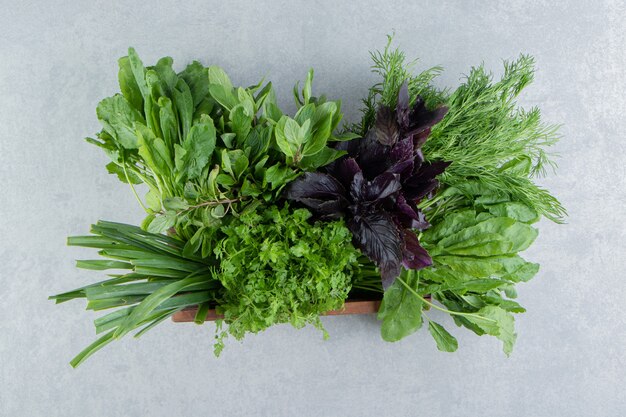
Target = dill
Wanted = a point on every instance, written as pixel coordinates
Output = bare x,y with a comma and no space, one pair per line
393,68
484,131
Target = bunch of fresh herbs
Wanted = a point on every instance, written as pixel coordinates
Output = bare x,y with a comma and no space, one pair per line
481,215
206,148
431,191
277,267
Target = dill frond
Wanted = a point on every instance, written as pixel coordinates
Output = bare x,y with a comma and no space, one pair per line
485,129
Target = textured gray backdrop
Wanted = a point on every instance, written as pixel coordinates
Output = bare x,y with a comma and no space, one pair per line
58,59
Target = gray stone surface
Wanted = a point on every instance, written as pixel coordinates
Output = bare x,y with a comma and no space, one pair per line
58,58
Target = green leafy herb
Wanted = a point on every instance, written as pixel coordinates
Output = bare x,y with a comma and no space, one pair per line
445,341
160,281
195,136
400,311
216,159
278,268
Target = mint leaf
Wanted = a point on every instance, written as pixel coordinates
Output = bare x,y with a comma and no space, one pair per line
162,223
283,139
320,159
175,204
153,201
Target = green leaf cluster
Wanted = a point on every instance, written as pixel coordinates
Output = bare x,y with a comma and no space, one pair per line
475,267
276,267
215,158
205,147
158,281
482,213
493,141
266,267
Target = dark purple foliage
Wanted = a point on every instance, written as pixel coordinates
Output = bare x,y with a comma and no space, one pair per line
377,186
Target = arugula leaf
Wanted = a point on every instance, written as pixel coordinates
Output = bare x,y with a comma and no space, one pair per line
153,150
183,101
114,168
118,119
139,72
198,148
196,76
128,85
168,122
217,76
166,75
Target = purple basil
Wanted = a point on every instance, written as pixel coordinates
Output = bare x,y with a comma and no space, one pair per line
377,185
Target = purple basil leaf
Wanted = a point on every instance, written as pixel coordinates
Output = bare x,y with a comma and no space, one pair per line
430,170
414,256
356,188
420,138
386,127
379,239
373,156
420,190
419,159
402,150
326,207
408,215
389,271
350,146
404,168
382,186
345,170
421,118
423,182
402,107
315,185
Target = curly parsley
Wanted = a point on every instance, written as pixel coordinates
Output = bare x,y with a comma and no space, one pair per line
277,267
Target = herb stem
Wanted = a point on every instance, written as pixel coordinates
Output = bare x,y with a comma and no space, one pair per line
214,203
425,301
133,189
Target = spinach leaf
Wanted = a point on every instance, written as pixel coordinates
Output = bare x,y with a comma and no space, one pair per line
445,341
400,311
497,322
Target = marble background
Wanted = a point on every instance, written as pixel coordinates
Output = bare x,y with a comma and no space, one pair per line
58,59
